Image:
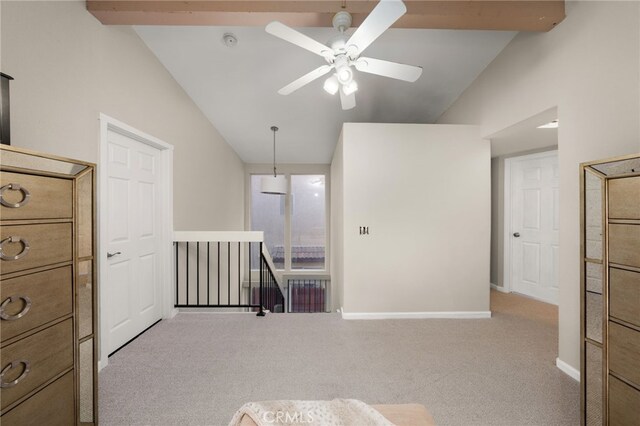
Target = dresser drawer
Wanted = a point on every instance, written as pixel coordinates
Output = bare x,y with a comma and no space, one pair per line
47,353
624,295
624,352
624,404
34,245
35,197
621,191
52,406
32,300
624,244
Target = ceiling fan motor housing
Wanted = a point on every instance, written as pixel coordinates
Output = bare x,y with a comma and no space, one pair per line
342,21
338,43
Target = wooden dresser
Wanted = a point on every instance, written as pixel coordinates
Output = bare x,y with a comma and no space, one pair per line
611,292
48,346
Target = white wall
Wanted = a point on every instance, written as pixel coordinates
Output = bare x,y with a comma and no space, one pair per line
424,193
337,227
589,68
68,68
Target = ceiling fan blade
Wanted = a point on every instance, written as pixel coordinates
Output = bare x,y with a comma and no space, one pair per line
379,20
347,101
280,30
305,79
389,69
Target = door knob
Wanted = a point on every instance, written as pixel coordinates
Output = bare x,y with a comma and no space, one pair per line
110,255
516,234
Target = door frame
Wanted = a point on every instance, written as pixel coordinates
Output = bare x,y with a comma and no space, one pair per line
506,251
165,285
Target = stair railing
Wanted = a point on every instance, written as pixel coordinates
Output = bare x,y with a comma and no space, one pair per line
214,270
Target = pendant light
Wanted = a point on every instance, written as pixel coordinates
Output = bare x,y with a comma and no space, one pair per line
274,184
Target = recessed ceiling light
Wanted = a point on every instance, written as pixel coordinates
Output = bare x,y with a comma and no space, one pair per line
550,125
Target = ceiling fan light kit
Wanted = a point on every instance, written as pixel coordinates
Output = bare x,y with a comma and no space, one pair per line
343,52
350,88
331,85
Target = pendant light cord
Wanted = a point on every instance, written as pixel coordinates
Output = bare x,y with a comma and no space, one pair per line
274,129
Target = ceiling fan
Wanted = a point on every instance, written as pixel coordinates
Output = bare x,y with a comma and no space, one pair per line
343,52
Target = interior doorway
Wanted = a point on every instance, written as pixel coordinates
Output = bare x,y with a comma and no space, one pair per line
136,225
534,136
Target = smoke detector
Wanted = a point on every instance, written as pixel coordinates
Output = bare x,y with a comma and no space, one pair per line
229,40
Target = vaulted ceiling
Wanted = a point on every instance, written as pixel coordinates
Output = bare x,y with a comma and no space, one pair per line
236,87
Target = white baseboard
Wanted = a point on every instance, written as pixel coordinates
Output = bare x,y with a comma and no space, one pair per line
414,315
498,288
568,370
173,313
102,365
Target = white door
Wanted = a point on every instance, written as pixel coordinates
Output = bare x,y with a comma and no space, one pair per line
534,226
133,238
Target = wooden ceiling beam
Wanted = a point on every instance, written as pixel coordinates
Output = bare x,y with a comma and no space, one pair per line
507,15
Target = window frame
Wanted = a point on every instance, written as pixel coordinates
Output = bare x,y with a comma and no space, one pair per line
294,170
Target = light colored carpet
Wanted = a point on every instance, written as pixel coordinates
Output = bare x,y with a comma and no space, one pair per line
197,369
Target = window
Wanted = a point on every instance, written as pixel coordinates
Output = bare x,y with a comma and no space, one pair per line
294,225
307,222
267,215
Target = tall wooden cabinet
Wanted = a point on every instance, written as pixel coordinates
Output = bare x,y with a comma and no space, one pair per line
610,292
48,339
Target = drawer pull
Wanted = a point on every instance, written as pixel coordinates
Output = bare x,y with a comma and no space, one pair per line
25,248
26,195
11,366
12,299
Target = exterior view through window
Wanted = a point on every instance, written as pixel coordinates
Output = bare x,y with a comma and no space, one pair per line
267,215
306,222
